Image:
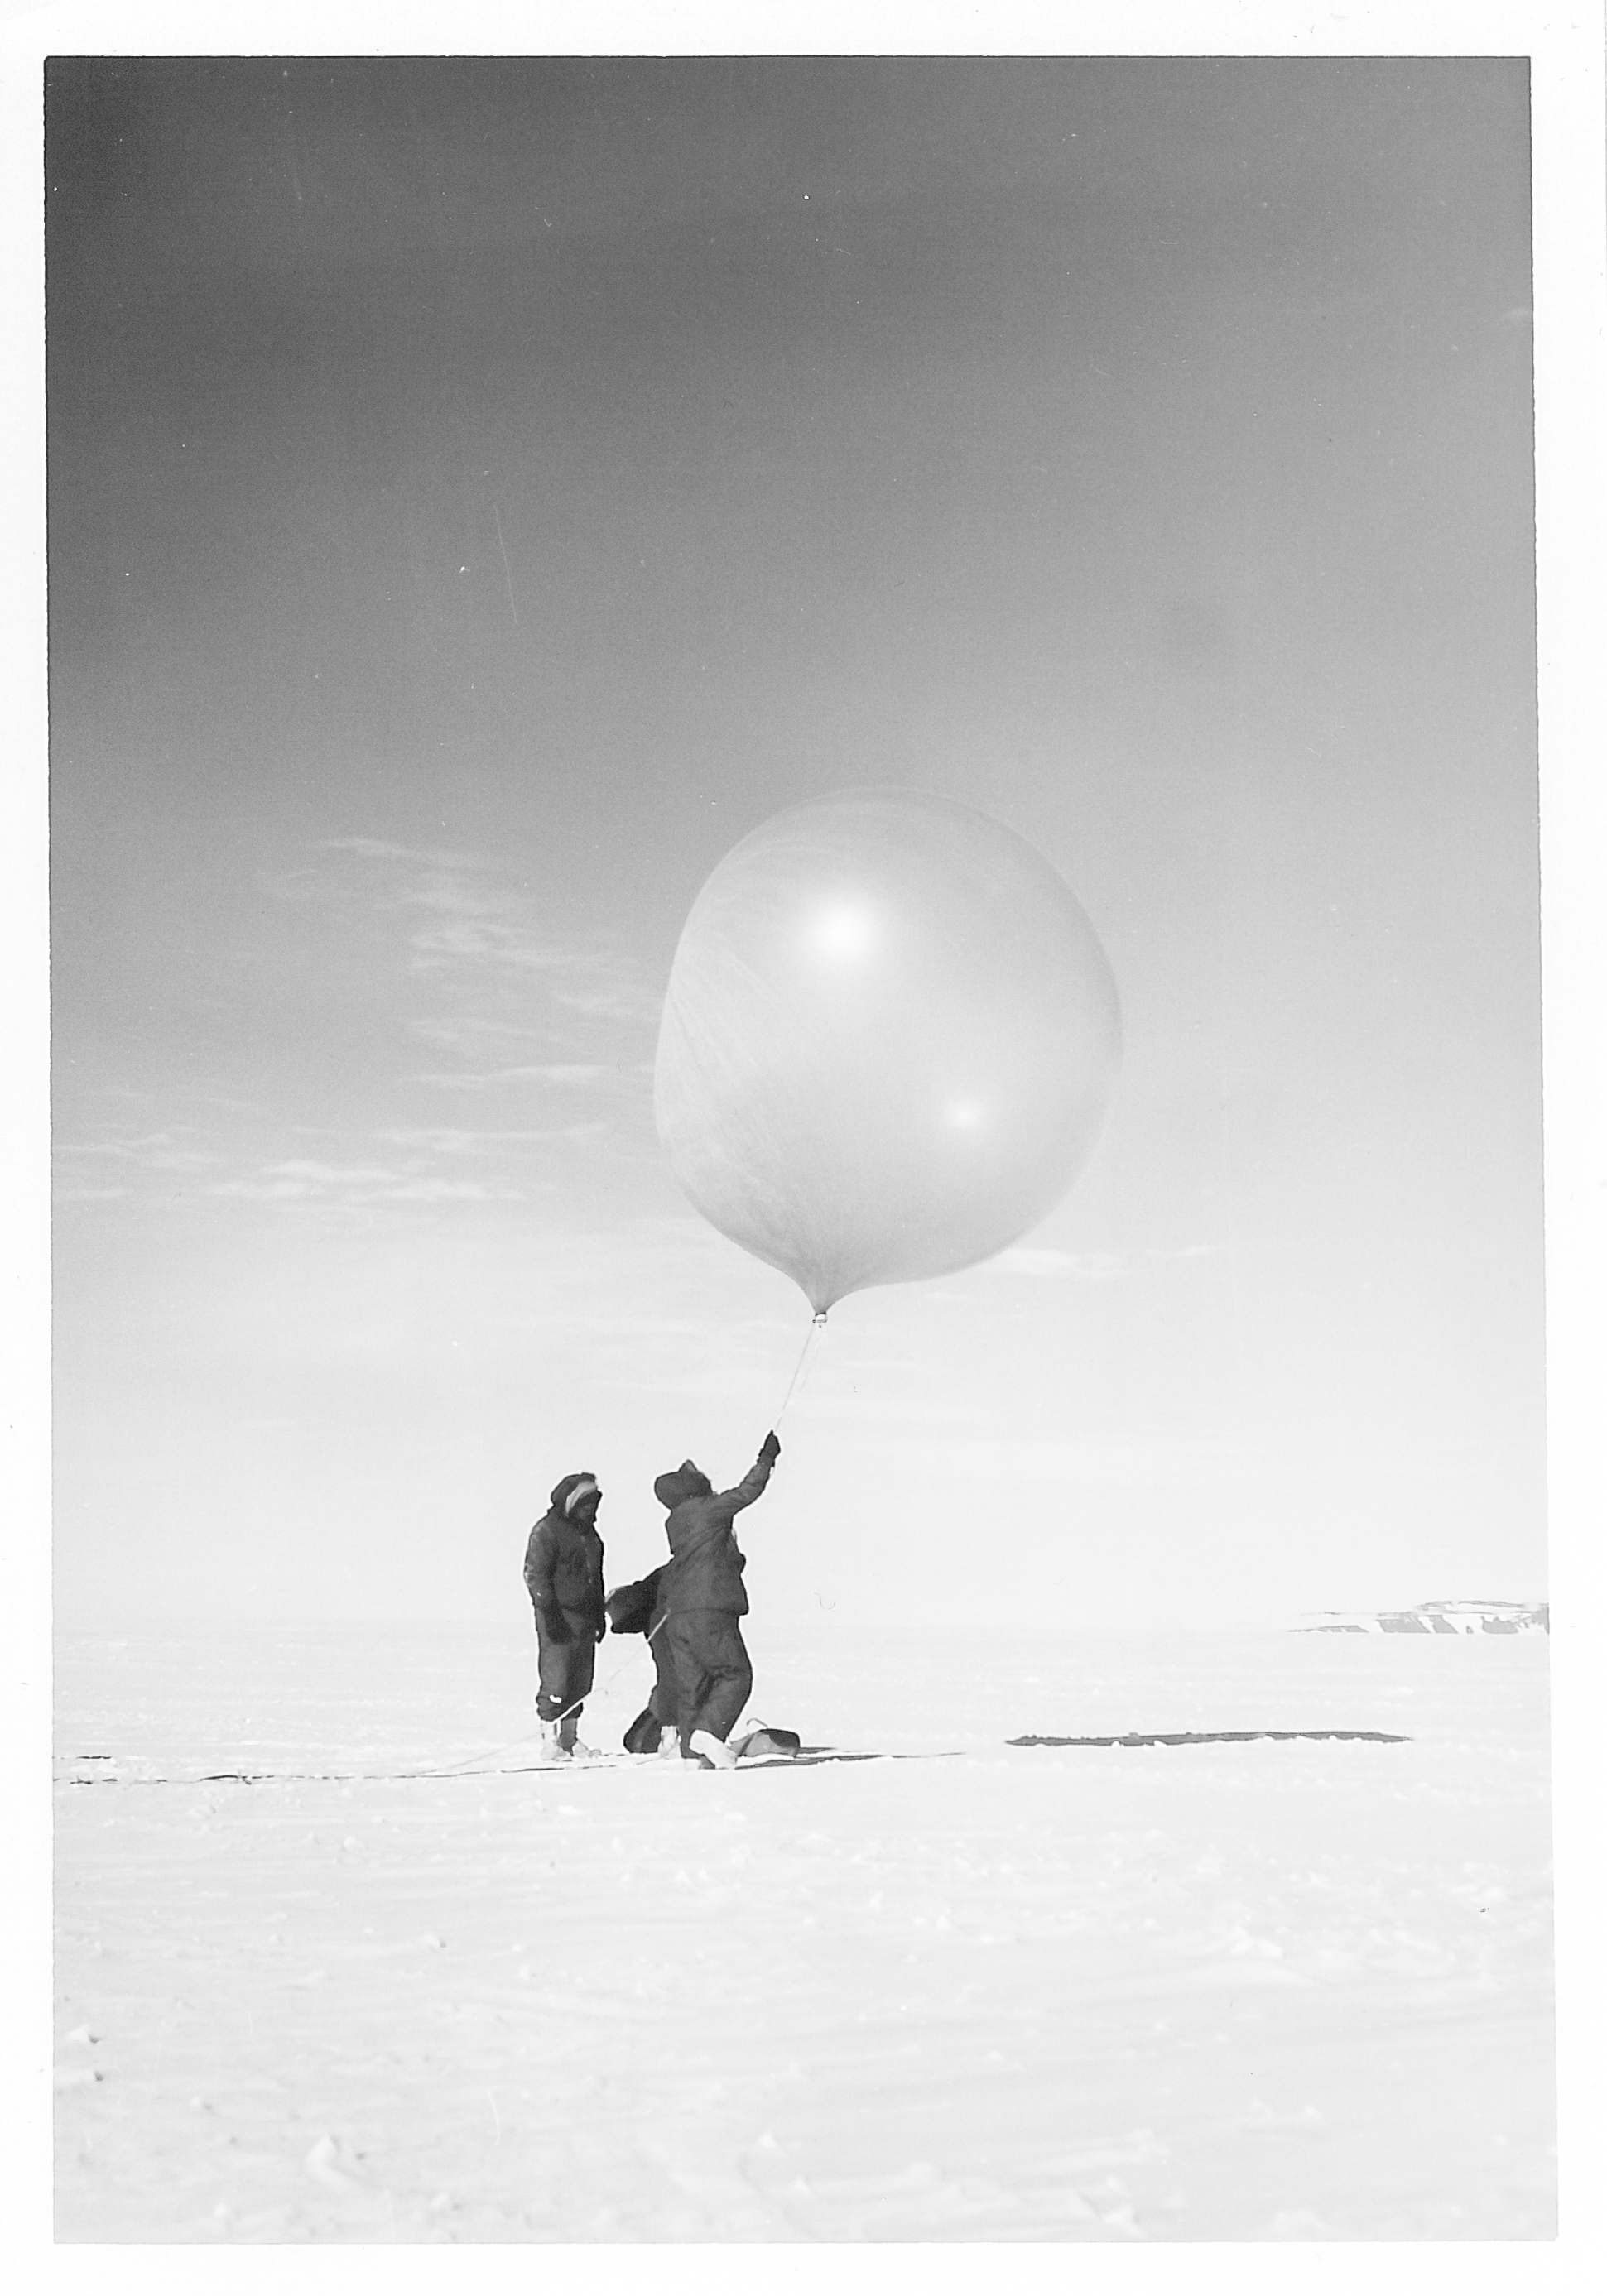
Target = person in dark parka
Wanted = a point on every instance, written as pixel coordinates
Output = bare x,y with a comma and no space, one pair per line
564,1573
704,1597
638,1608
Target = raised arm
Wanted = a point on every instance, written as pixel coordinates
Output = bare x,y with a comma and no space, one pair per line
747,1490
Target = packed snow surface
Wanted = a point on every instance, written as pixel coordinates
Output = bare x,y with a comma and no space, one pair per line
1263,1988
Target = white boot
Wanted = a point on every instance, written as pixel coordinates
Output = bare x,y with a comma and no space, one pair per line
669,1745
714,1749
548,1749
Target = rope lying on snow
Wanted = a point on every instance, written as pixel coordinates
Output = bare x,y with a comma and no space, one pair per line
311,1777
462,1770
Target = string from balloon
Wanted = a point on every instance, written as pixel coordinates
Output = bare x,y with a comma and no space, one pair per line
796,1383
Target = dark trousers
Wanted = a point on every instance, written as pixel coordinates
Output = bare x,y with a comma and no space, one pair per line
665,1700
564,1671
661,1711
712,1671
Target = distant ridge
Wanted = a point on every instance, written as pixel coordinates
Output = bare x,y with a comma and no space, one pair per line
1436,1619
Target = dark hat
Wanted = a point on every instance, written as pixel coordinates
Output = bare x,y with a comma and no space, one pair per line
687,1482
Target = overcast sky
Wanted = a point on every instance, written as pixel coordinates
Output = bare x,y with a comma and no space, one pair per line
482,492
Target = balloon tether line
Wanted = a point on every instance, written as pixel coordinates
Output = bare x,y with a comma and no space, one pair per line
817,1325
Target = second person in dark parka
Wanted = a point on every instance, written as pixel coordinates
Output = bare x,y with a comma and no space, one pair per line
703,1598
563,1574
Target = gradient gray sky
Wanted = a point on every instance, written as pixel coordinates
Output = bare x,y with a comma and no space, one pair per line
482,492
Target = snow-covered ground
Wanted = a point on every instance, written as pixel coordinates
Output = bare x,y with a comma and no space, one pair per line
1275,1989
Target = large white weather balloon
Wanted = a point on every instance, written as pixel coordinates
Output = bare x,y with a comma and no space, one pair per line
887,1043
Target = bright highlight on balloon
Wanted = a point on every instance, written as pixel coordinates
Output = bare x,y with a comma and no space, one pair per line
888,1043
844,933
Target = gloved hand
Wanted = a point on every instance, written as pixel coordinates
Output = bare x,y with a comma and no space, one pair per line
771,1448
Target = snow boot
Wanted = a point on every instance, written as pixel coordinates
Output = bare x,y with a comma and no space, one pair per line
761,1742
715,1751
646,1734
669,1745
548,1747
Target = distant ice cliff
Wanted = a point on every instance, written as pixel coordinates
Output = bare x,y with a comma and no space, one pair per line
1436,1619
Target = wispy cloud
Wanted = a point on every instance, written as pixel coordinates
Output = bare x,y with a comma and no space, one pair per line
508,990
554,1072
307,1179
623,999
468,916
471,1035
152,1151
462,1140
424,1164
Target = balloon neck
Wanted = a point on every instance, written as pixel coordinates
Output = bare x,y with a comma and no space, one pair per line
819,1319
